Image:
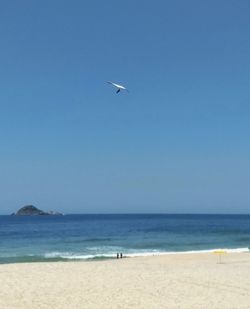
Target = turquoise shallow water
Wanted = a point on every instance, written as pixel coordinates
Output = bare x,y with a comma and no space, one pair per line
91,237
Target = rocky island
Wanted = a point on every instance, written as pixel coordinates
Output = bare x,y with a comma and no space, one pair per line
31,210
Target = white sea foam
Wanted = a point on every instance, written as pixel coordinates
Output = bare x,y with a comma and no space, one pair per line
237,250
73,256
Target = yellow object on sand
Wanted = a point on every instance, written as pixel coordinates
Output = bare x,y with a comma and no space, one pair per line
220,251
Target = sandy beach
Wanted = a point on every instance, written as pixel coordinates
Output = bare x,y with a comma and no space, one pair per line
170,281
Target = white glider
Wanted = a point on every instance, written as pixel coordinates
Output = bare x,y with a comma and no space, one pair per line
118,87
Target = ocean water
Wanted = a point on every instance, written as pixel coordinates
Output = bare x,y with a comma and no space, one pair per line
91,237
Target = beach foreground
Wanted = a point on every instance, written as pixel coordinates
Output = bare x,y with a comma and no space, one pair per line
170,281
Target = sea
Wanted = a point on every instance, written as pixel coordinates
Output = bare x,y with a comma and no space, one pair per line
95,237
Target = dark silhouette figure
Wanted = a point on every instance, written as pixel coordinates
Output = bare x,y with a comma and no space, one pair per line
117,255
121,255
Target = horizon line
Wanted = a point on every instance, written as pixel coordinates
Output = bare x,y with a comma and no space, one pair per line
139,213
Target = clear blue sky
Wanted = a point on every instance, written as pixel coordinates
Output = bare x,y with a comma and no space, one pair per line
178,142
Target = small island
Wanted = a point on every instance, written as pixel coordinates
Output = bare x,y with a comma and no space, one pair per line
30,210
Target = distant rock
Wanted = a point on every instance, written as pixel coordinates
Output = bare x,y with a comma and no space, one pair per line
31,210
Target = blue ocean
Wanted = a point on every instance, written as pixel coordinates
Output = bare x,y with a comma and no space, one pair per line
94,237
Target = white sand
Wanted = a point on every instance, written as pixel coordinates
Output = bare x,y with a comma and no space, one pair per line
172,281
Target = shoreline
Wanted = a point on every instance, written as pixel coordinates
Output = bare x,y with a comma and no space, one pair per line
55,257
185,255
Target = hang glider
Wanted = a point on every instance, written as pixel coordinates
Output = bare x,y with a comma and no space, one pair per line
118,87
